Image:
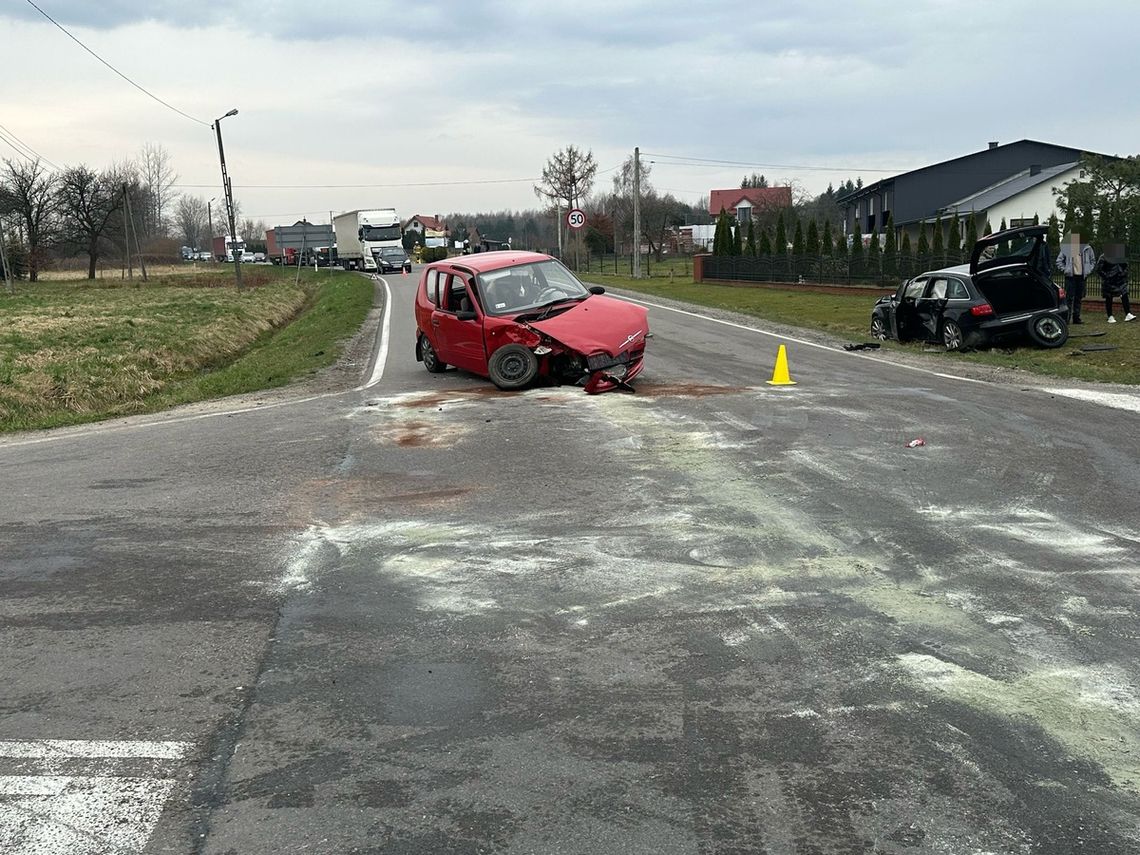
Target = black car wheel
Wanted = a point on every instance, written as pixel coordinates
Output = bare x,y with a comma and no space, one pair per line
952,335
430,358
878,329
512,366
1049,331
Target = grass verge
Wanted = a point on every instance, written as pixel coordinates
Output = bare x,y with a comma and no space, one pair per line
73,353
849,315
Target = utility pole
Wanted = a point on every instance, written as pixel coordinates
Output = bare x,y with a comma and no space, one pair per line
636,213
4,261
127,235
135,232
210,220
228,188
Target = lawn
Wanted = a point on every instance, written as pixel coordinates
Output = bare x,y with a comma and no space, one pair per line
848,316
77,352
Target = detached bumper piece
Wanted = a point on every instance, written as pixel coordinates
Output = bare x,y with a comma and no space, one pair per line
613,372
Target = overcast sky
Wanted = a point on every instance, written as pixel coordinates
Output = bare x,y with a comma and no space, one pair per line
445,95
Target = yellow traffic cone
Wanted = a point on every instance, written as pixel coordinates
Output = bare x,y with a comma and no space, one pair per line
780,376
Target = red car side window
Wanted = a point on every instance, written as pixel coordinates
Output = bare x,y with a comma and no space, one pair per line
431,282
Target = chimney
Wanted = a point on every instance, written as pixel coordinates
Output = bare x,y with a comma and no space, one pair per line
993,144
1035,169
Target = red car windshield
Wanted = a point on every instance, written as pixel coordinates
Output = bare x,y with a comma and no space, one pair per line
517,289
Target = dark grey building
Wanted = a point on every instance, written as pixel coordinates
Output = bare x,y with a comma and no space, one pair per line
923,193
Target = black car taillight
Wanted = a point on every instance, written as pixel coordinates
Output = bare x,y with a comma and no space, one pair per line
982,310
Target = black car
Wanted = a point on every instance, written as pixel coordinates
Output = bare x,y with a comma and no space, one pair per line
1006,291
393,258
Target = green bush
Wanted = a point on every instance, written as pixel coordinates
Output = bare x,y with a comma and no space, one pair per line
434,253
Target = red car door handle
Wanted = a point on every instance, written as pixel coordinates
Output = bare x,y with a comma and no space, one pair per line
435,322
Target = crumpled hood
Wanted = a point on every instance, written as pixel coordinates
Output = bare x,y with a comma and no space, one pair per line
597,324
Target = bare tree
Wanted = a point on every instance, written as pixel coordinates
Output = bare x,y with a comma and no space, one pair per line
157,178
567,178
90,204
623,193
191,220
28,191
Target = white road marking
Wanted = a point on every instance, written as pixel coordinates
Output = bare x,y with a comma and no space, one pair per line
385,326
105,807
56,748
804,342
1116,400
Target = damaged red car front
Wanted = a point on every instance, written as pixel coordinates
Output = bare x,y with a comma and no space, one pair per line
518,316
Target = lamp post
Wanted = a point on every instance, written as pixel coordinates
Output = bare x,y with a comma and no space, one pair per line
210,221
229,196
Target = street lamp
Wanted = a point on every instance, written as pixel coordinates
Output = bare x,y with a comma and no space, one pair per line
229,195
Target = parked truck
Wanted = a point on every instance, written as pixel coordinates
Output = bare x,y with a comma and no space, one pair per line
361,235
299,242
225,246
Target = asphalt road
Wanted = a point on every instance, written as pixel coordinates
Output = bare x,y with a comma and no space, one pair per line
716,616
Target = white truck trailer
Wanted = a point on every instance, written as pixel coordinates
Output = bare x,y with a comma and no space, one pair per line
361,235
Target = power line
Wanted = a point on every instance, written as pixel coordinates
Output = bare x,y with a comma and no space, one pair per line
684,160
364,186
136,85
20,144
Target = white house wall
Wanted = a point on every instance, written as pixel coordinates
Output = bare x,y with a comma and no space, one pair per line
1037,200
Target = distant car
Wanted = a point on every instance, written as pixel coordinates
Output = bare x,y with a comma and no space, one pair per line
247,258
1006,291
517,316
393,258
259,257
205,255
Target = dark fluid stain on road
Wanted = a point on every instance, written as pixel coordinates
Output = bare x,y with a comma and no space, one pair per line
437,399
121,483
684,390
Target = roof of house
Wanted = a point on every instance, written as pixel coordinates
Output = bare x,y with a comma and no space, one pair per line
433,223
759,197
1010,187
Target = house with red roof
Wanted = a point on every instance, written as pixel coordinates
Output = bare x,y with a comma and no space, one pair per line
746,203
430,231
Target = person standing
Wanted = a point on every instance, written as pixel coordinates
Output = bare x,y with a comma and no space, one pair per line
1112,268
1077,260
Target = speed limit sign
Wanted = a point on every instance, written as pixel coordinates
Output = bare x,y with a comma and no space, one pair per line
575,218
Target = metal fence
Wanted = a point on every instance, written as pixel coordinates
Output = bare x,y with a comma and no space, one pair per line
868,272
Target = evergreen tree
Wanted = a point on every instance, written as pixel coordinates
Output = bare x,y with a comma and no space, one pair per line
737,247
906,257
923,245
811,242
841,250
988,230
718,234
826,243
1133,242
937,243
890,249
1003,247
765,247
798,240
971,233
750,244
856,249
1053,236
781,246
1086,224
954,240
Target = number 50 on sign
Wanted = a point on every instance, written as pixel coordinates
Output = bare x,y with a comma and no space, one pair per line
576,218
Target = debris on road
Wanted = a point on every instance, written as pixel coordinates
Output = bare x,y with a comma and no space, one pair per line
863,345
916,443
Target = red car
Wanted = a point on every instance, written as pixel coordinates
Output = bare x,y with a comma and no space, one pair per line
516,316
